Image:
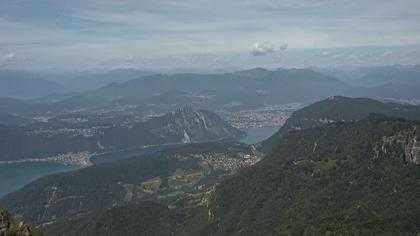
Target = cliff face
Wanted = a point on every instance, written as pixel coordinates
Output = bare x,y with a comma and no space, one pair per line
408,140
189,125
9,227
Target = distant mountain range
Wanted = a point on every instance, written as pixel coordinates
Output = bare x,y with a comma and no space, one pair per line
402,91
77,135
30,108
26,85
279,86
396,82
378,76
373,76
91,81
248,89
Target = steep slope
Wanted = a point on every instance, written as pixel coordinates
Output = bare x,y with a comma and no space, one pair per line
190,125
151,219
339,109
181,126
343,178
142,219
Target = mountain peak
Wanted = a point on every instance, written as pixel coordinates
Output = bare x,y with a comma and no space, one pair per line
338,98
258,71
184,110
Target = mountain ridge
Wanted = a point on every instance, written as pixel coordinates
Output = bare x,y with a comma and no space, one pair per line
341,109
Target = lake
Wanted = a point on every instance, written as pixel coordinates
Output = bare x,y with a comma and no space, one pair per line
256,135
15,176
119,155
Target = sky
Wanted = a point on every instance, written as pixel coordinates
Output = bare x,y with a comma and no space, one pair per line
106,34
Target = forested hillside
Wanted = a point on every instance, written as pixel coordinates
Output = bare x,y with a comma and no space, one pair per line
340,179
340,109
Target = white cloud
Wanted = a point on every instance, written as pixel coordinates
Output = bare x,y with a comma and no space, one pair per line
261,49
8,56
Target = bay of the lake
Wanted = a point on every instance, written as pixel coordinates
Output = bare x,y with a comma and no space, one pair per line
256,135
14,176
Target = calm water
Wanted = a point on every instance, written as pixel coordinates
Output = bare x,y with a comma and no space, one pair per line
256,135
113,156
15,176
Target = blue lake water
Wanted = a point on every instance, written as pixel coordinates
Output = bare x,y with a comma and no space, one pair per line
15,176
256,135
119,155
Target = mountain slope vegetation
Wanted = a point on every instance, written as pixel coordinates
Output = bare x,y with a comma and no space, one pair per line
318,181
338,179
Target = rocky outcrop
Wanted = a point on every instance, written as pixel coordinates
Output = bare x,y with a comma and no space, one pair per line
408,140
9,227
412,151
189,125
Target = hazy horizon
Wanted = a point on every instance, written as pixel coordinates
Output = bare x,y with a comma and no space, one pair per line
104,35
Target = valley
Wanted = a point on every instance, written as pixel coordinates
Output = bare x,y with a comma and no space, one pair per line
84,159
206,184
210,118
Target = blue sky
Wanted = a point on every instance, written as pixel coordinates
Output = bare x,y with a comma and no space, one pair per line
88,34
